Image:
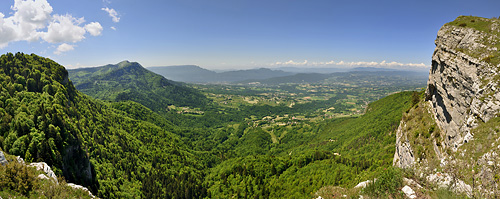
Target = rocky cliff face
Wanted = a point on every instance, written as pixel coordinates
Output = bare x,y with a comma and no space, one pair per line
404,156
463,79
456,129
462,85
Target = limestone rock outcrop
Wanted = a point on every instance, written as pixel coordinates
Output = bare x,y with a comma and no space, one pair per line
462,89
42,166
444,180
75,186
461,97
3,160
403,158
462,83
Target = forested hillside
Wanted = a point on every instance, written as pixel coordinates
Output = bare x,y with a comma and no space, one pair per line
44,118
341,152
130,81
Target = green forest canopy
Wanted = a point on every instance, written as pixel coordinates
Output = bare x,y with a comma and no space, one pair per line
124,149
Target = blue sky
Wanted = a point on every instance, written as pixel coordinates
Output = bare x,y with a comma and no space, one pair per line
231,34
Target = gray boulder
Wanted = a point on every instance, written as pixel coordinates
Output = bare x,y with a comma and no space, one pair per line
3,161
42,166
75,186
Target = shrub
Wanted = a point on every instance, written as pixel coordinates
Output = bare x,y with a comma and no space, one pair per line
416,133
432,128
489,59
415,98
388,183
17,177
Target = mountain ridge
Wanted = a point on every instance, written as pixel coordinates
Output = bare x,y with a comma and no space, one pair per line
130,81
196,74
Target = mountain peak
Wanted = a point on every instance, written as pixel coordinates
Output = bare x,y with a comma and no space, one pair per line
126,63
130,81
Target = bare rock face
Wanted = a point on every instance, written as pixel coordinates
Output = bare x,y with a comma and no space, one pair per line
75,186
42,166
403,158
49,174
75,159
462,82
462,90
3,160
462,94
444,180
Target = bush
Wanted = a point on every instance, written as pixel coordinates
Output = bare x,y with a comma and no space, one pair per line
388,183
432,128
17,177
20,181
488,58
415,98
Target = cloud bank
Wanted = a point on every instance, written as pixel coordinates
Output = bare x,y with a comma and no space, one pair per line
32,20
382,64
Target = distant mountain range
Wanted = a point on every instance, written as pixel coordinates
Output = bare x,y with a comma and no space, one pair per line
186,73
196,74
313,70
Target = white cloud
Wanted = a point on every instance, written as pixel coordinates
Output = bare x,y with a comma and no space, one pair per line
64,48
113,28
64,28
29,16
77,65
94,28
382,64
32,20
291,63
7,33
112,13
